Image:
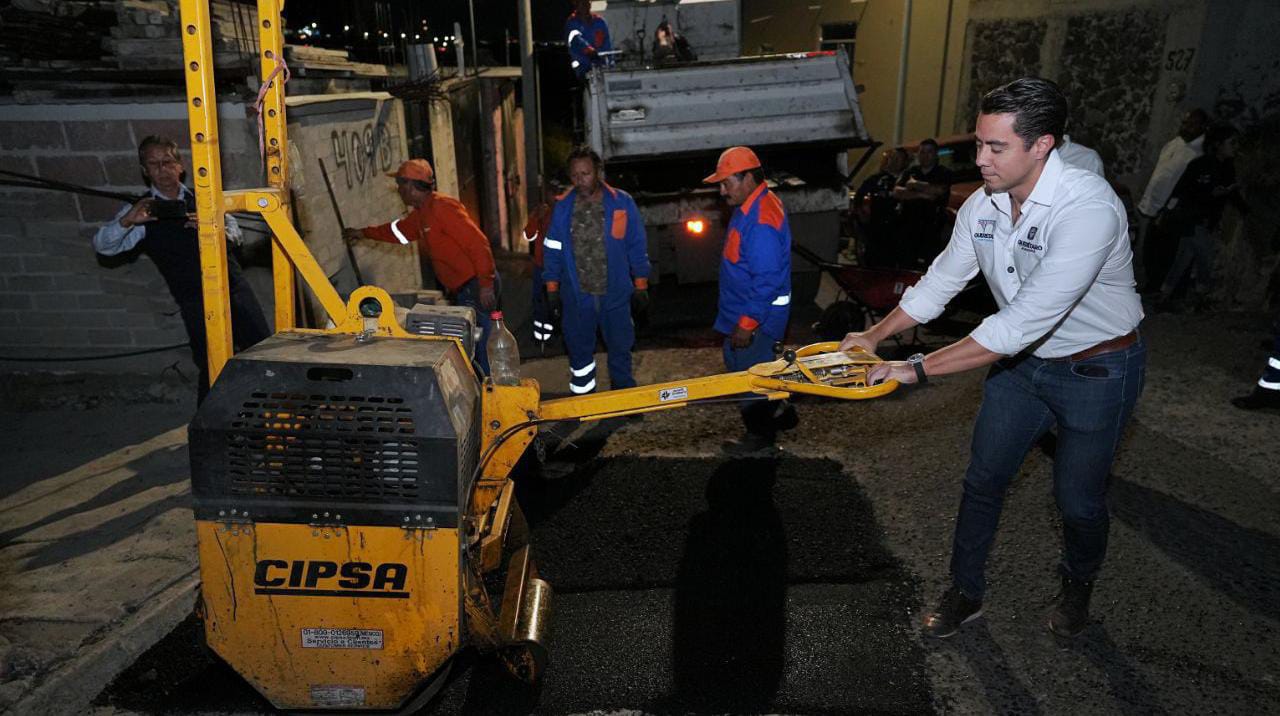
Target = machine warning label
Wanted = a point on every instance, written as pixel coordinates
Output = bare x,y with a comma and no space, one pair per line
670,394
336,696
341,639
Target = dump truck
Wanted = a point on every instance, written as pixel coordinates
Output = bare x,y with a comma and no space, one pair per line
661,129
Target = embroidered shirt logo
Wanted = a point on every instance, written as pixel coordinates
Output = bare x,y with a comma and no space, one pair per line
986,229
1029,244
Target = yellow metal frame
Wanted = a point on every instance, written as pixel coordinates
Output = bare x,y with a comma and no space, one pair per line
289,253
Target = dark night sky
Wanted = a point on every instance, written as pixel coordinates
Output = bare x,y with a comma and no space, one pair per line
407,16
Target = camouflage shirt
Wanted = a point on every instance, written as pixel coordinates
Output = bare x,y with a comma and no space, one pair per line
588,246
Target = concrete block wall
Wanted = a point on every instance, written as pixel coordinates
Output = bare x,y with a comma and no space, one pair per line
57,296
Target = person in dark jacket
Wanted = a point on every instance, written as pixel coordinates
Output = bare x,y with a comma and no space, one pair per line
1198,200
173,245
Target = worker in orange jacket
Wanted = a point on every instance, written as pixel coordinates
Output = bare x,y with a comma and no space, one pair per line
448,237
535,230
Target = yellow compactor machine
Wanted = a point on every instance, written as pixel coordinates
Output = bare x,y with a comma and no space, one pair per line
356,520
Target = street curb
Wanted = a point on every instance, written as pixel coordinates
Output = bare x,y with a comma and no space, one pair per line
73,686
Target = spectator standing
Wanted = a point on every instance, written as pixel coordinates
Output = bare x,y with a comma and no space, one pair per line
1157,248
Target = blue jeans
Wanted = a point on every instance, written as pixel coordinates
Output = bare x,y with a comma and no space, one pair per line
469,295
1089,402
1194,249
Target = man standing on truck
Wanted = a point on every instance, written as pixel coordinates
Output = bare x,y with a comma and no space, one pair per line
587,37
448,238
596,268
755,288
1052,241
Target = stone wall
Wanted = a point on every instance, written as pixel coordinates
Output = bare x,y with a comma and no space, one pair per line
57,296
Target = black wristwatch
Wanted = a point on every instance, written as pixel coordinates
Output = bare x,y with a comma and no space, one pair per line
917,361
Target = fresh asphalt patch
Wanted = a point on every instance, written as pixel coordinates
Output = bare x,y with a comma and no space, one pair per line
682,585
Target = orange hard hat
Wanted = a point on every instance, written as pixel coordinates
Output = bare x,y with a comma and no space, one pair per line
419,169
732,161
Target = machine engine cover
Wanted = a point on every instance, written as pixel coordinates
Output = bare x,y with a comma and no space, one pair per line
305,427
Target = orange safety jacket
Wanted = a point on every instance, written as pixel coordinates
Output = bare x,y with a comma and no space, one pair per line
445,234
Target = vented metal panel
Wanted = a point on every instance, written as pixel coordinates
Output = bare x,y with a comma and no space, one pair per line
447,321
307,428
348,447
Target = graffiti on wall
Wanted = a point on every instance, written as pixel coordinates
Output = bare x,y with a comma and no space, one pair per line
1109,70
363,152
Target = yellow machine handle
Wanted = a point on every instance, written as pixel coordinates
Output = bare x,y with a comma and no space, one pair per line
816,369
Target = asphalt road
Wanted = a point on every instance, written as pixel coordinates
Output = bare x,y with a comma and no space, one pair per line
688,582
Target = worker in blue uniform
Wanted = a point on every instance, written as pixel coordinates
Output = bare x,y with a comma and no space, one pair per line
755,288
596,268
587,36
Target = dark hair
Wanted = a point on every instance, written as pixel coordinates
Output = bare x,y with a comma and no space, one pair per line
757,174
1038,107
155,140
1216,136
582,151
930,141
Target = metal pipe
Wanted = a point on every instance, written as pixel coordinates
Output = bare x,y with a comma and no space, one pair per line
475,44
458,49
900,111
529,98
942,75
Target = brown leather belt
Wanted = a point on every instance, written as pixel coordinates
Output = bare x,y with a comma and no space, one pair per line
1107,346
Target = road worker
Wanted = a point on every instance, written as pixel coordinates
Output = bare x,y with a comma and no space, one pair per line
755,288
596,269
587,36
450,244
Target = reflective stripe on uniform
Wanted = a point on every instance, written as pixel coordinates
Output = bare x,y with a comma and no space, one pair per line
590,386
1268,384
782,300
550,243
541,336
575,64
527,237
581,372
1274,363
395,229
573,34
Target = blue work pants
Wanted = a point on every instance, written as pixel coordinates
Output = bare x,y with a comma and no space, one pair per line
583,314
758,416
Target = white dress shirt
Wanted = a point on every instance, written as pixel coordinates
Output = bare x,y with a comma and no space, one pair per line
1062,276
1078,155
112,238
1176,154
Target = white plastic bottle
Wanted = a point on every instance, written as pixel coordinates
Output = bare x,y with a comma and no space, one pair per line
504,354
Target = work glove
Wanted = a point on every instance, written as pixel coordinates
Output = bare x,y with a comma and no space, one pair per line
640,301
554,308
640,309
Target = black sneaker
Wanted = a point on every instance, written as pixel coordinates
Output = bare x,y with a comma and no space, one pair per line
1071,615
1259,399
953,610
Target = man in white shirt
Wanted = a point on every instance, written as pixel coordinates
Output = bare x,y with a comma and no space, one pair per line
1052,242
1078,155
1175,155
